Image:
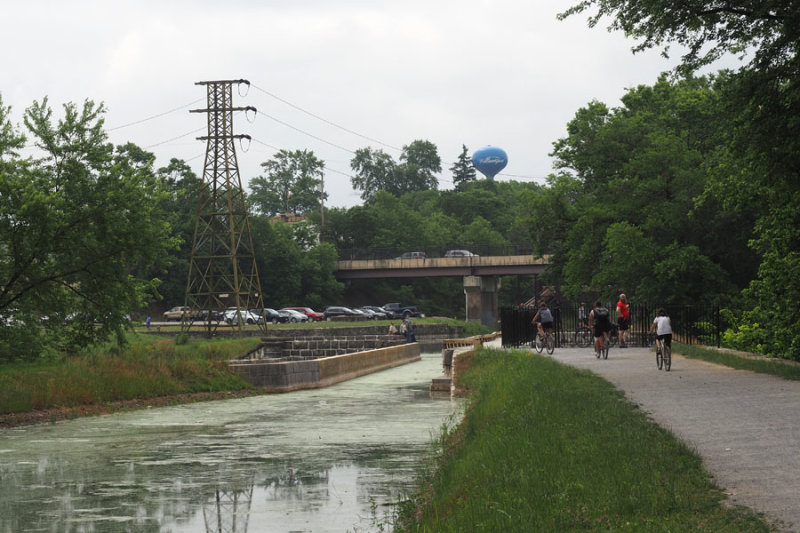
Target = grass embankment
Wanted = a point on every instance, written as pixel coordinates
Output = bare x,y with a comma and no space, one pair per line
147,367
546,447
763,365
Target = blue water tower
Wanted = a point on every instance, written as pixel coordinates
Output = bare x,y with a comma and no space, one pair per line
490,160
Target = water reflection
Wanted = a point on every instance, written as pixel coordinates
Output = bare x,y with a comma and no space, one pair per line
324,460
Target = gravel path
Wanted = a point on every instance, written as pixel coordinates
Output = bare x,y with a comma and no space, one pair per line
745,426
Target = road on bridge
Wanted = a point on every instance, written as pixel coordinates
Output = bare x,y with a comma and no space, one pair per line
745,426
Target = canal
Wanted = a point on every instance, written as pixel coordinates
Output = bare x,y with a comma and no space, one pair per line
332,459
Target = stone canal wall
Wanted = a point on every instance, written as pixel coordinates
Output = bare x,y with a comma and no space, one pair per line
288,373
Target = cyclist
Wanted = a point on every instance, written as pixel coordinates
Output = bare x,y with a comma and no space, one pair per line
543,320
662,327
623,320
598,319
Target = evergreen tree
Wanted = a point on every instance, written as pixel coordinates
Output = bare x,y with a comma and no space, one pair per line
463,170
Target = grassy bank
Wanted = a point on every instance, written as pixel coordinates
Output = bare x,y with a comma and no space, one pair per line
777,367
148,367
546,447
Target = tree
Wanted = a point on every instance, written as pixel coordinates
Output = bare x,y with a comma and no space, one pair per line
463,170
708,30
292,184
418,163
641,168
182,188
291,272
375,170
763,103
74,223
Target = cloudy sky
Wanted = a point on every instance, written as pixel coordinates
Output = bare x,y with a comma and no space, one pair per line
327,76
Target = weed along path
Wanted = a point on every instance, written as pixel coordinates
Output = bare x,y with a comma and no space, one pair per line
745,426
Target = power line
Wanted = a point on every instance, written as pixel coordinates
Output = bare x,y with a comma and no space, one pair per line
175,138
306,133
326,121
155,116
329,169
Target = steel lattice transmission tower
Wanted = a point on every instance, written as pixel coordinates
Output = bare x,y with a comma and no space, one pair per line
223,272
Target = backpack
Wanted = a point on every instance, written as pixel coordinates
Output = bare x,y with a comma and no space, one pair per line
601,313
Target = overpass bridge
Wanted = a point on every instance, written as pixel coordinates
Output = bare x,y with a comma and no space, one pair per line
480,274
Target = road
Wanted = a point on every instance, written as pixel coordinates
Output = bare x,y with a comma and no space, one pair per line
745,426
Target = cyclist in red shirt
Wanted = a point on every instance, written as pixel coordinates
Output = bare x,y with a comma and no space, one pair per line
623,320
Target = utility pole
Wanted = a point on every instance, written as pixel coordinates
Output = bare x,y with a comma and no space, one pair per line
222,272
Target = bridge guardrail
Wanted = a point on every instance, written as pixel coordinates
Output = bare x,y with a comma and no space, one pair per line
433,251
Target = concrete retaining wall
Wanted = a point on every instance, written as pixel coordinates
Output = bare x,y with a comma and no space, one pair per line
291,373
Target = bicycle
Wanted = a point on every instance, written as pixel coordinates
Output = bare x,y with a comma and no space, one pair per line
582,337
613,335
663,356
549,342
537,343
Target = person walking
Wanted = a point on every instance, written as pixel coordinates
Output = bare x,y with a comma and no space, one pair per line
623,320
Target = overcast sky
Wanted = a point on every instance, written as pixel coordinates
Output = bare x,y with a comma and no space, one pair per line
505,73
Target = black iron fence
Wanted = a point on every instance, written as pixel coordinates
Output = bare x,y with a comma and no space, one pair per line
691,324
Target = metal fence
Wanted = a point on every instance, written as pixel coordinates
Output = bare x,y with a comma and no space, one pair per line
691,324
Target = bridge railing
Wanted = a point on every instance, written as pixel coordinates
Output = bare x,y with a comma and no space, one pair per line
691,324
434,251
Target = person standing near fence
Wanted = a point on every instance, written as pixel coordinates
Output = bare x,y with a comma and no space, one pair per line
623,320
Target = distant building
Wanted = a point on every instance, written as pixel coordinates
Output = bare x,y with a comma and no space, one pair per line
288,218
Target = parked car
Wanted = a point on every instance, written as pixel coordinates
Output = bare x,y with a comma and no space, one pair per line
459,253
271,315
373,312
337,310
293,316
232,317
402,311
382,313
310,313
176,313
412,255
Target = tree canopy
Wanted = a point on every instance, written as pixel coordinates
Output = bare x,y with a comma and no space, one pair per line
292,184
75,222
375,170
757,169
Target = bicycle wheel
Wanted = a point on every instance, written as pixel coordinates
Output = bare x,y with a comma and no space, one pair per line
550,344
537,344
659,358
583,338
667,358
613,337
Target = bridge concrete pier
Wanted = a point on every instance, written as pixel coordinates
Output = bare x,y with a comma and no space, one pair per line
481,299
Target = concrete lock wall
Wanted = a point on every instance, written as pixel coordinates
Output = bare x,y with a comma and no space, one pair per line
284,373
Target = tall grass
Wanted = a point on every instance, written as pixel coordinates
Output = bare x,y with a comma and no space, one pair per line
147,367
546,447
